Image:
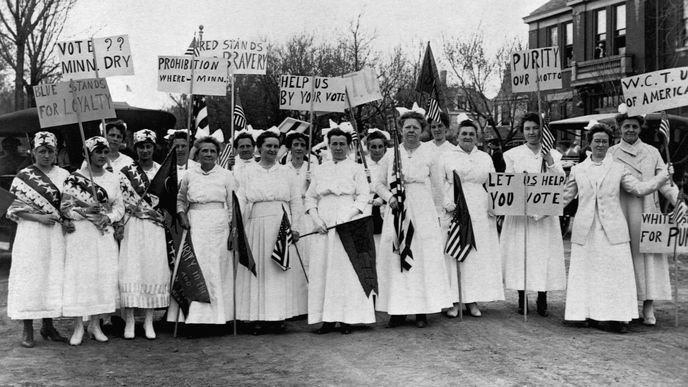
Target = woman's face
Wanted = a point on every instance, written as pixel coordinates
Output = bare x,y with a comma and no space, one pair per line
99,157
115,138
44,155
467,138
207,155
245,149
268,150
630,129
377,148
531,132
438,130
339,147
298,148
144,151
410,130
182,149
599,145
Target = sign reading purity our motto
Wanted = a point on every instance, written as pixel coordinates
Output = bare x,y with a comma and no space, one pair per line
659,233
655,91
209,75
545,193
525,78
56,104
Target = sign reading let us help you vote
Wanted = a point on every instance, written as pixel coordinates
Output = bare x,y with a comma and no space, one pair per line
536,193
58,103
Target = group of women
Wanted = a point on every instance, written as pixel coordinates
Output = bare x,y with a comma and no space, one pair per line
85,250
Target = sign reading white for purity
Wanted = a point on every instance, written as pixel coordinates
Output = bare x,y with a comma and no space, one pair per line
328,96
209,75
523,70
655,91
113,57
244,56
545,193
659,233
56,105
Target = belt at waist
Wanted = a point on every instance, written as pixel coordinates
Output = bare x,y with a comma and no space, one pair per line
207,206
272,208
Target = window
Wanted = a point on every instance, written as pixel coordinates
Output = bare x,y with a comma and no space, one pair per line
684,32
568,46
600,34
553,36
620,29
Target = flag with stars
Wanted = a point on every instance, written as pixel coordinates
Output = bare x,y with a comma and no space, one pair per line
200,113
461,239
280,254
34,192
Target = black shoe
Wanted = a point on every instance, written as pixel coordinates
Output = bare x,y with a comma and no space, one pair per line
521,303
345,328
396,320
326,327
27,339
421,321
617,327
542,304
48,332
257,330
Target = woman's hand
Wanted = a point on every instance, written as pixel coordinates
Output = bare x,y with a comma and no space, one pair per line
549,160
450,207
295,235
490,212
102,221
184,220
46,219
119,231
94,209
393,203
308,176
378,202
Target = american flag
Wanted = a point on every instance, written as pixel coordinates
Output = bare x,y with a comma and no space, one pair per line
403,226
239,117
193,49
664,129
200,112
547,139
429,84
433,110
680,210
223,158
461,239
280,254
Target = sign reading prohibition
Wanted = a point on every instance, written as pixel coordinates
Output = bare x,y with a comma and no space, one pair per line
209,75
545,193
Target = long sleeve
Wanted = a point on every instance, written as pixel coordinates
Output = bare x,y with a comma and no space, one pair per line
312,197
571,189
230,186
117,206
448,185
436,184
295,201
182,197
381,183
508,162
639,188
362,190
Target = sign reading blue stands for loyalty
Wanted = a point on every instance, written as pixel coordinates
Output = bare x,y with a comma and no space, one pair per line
659,233
56,104
328,96
523,74
209,75
113,57
545,193
243,56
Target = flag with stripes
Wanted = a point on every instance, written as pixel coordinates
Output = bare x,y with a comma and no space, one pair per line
547,139
680,210
200,113
461,239
664,129
239,117
239,239
429,84
403,227
193,49
225,154
280,254
432,110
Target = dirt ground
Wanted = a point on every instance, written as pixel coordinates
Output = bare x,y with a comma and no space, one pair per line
497,349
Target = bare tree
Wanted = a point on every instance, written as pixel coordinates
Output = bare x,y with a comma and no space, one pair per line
29,30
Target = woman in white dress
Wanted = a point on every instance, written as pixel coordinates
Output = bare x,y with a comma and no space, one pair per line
204,207
481,271
546,269
272,295
144,274
424,287
601,284
36,274
90,279
338,193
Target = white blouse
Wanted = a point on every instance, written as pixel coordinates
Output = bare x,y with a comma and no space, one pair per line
418,166
521,158
198,186
341,178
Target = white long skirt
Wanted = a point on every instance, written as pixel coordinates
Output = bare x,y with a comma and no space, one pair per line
90,279
273,294
601,280
36,275
425,287
335,292
546,270
209,232
144,275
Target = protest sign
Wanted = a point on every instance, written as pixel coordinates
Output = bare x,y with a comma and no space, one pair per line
545,193
244,56
295,93
658,233
523,65
56,105
655,91
209,75
362,86
113,57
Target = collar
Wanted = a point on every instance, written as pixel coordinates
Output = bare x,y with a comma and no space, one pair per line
458,147
631,149
202,172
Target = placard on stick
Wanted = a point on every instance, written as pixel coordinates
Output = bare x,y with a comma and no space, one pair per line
295,93
113,57
658,233
56,104
362,86
244,56
655,91
210,75
523,64
545,193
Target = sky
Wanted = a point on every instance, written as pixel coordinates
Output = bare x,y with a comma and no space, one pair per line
166,27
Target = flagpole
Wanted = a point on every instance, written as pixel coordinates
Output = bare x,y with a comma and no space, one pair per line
189,110
666,143
675,268
83,142
102,120
458,278
525,247
301,262
231,110
310,128
359,147
174,276
234,234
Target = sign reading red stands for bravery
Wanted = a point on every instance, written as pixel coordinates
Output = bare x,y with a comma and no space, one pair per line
244,56
209,75
545,193
523,64
655,91
658,233
56,104
295,93
362,86
113,56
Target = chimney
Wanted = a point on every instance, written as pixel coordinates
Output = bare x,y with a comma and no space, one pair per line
443,78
